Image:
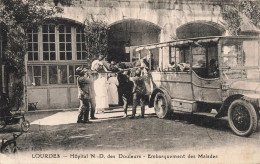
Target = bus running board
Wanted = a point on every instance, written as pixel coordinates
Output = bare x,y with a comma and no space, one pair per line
184,105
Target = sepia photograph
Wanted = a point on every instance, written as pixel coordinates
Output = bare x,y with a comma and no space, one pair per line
129,81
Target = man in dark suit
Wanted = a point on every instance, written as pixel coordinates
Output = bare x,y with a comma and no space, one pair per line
139,91
86,94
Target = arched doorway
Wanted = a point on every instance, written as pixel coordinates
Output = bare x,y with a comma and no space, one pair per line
130,32
199,29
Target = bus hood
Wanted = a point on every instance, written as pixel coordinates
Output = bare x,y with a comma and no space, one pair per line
246,87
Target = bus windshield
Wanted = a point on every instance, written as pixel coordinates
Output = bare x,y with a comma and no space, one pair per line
239,59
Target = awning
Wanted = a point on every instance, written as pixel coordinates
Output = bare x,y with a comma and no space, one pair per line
207,41
148,47
181,43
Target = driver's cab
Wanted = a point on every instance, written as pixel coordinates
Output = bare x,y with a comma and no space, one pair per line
239,59
205,59
199,56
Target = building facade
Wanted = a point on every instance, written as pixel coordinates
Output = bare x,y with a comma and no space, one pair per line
58,48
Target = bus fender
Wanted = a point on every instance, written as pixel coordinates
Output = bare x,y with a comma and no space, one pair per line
252,98
163,90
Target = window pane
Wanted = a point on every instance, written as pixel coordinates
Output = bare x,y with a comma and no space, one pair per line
230,53
71,74
69,55
63,74
35,46
35,37
44,75
68,46
35,55
62,38
68,29
51,28
29,46
52,56
68,38
29,75
37,81
61,29
78,47
52,46
186,56
52,37
45,37
30,56
199,61
45,56
251,53
62,55
199,57
53,74
82,37
45,28
78,38
84,56
62,47
45,47
78,30
83,47
37,70
29,37
78,56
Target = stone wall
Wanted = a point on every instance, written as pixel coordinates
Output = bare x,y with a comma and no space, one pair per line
168,15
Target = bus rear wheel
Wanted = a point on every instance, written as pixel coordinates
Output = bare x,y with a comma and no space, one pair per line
162,105
242,117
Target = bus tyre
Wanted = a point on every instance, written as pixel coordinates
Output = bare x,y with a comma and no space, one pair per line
162,105
242,117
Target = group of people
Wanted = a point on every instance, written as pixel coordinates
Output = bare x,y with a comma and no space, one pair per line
99,85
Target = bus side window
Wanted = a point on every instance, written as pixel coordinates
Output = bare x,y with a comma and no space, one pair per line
199,61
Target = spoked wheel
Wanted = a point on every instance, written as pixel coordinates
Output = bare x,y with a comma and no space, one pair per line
242,118
25,125
9,148
2,124
161,105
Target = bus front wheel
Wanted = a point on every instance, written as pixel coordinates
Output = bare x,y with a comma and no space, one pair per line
242,117
162,105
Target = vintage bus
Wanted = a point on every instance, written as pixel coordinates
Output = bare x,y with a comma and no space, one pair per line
200,74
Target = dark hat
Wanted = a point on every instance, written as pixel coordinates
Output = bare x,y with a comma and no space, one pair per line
79,70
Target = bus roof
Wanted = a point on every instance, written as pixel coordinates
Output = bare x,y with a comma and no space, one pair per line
199,40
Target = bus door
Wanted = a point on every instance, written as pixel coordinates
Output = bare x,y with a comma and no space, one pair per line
205,73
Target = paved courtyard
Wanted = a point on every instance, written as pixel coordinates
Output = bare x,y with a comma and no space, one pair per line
181,134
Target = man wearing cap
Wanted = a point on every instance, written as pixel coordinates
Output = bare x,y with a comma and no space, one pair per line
139,91
125,89
86,95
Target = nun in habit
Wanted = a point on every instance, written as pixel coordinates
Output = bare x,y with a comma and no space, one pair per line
101,90
112,89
